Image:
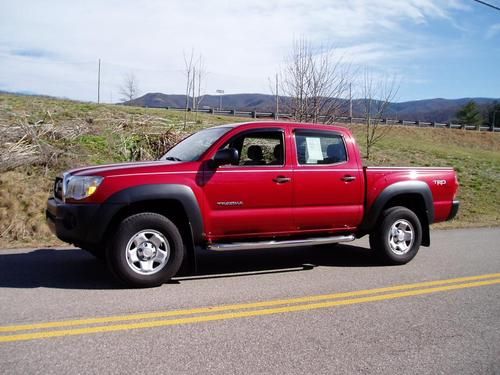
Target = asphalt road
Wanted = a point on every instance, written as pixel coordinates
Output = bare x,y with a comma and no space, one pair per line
314,310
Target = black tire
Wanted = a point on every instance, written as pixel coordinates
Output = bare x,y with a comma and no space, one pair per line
147,250
398,236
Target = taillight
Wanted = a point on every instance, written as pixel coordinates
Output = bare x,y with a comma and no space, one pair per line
457,185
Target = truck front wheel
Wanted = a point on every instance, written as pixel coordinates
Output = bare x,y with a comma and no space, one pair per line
398,236
146,250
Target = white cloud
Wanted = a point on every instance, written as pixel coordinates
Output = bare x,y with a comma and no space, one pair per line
242,43
493,30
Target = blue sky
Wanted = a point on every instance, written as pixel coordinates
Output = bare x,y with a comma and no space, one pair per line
442,48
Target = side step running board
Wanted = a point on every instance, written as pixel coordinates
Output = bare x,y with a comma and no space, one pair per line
277,244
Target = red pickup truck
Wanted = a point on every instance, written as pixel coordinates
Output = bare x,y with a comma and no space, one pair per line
247,186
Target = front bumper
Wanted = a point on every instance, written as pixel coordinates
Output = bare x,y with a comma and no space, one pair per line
74,223
454,210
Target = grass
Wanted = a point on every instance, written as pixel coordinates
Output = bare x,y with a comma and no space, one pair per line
21,208
78,134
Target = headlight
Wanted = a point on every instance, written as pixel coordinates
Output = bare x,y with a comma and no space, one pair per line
81,187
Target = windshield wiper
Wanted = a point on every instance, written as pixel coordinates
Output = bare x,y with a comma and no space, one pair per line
172,158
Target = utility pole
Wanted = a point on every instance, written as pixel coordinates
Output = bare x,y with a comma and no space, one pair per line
277,99
350,103
99,82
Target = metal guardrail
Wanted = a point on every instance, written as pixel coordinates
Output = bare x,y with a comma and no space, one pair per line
344,119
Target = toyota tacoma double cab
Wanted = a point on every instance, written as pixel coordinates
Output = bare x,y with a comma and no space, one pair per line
244,186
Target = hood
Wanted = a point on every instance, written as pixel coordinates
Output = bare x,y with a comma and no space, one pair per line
122,168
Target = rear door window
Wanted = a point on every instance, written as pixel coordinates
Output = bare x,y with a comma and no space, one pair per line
319,147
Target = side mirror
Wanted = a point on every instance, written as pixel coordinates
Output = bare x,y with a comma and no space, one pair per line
225,156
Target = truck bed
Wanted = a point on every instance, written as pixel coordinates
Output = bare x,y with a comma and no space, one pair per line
441,181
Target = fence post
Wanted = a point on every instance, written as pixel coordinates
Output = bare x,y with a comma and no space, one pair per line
254,114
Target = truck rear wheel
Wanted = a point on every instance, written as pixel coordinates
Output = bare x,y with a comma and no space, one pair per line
398,236
146,251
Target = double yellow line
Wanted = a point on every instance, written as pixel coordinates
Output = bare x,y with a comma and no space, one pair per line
206,314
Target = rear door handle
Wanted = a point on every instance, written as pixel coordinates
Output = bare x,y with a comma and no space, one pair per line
348,178
281,179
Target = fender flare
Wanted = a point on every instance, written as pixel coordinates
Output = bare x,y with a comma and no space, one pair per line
181,193
392,191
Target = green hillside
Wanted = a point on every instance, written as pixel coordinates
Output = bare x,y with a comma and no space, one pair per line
43,136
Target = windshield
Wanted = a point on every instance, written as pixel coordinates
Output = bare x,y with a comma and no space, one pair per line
191,148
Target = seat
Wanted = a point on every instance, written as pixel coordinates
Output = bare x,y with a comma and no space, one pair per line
278,155
255,155
301,150
335,153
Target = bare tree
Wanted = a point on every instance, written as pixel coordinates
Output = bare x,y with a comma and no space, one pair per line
199,77
377,96
295,80
130,88
194,70
189,72
316,81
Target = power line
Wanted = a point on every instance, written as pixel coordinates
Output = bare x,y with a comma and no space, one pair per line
487,4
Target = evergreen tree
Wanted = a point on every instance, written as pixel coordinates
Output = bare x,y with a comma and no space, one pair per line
470,114
494,113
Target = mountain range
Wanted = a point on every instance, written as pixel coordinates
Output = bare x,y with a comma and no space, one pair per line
439,110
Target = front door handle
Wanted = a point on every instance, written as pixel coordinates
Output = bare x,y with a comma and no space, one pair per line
348,178
281,179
